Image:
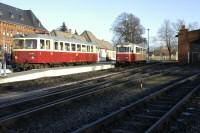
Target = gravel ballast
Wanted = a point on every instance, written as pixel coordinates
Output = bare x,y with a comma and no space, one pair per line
68,117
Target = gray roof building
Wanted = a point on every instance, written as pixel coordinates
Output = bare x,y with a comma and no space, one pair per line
19,16
90,37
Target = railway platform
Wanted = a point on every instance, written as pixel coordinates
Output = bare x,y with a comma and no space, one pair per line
53,72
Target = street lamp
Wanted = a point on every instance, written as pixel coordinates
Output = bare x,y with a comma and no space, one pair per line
148,46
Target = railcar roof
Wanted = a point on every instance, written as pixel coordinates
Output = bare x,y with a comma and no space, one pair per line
56,38
130,44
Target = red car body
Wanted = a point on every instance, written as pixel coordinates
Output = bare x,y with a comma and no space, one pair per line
130,53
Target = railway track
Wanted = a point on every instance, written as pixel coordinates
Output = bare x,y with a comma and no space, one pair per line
149,114
187,118
22,108
76,84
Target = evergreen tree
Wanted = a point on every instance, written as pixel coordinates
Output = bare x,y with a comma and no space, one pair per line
63,27
76,33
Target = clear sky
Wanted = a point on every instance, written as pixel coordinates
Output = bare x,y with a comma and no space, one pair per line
98,16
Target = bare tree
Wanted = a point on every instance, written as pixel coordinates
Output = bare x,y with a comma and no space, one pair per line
127,28
167,35
180,22
193,26
168,31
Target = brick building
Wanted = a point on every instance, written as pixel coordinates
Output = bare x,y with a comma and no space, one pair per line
14,21
189,46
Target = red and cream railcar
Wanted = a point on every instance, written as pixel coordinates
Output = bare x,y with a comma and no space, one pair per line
130,53
43,50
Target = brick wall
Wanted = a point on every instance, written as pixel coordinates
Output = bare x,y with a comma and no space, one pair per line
185,39
8,30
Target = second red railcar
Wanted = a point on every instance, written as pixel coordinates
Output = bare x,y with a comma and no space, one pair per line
130,53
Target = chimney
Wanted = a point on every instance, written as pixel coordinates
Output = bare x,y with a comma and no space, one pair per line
70,31
182,27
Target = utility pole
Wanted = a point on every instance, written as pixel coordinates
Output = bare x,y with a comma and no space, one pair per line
4,55
4,58
148,46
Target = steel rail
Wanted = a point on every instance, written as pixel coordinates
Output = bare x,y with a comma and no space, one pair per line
62,91
165,119
116,115
56,102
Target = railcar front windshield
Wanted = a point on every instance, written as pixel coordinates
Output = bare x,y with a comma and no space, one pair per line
123,49
19,44
25,44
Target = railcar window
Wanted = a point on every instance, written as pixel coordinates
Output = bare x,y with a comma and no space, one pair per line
78,47
47,44
123,49
73,47
137,50
61,45
67,46
30,44
131,50
98,49
56,45
117,49
84,48
42,45
88,48
92,50
19,44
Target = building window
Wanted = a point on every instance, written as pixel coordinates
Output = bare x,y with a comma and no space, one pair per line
1,13
11,15
39,24
21,18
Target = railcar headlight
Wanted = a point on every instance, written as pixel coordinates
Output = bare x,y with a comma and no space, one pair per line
33,57
16,57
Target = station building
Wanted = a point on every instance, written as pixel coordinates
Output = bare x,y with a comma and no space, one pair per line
106,50
189,46
15,21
